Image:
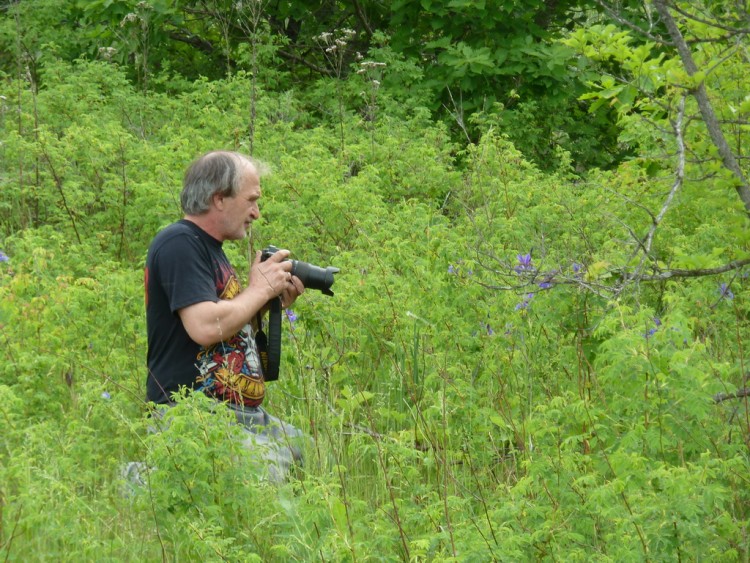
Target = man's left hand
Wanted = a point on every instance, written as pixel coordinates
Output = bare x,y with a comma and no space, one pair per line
293,289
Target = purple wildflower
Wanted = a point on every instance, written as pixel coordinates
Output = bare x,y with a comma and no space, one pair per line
3,257
652,331
524,263
576,267
451,269
725,292
525,303
545,285
291,315
106,395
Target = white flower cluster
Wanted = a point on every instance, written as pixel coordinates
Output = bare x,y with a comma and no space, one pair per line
366,66
107,53
132,17
336,43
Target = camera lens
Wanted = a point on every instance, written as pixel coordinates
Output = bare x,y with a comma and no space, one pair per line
314,277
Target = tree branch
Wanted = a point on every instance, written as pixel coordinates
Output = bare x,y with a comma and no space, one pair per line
739,394
679,175
704,104
710,23
698,272
612,13
192,40
297,59
362,18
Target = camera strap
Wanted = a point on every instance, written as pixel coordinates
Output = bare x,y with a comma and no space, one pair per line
269,346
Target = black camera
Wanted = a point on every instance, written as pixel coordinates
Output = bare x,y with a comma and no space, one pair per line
312,277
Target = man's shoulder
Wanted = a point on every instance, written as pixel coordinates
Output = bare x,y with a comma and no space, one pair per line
180,230
169,243
177,228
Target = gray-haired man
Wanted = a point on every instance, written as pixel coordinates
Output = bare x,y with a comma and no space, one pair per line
199,317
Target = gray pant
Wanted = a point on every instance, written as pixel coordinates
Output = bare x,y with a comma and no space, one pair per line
279,442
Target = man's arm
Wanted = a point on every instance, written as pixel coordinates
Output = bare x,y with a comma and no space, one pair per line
208,323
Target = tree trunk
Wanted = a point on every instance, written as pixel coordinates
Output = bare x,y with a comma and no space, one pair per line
704,104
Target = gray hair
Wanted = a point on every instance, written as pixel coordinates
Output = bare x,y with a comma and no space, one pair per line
216,172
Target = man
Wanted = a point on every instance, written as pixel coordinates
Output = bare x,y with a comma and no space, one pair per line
199,319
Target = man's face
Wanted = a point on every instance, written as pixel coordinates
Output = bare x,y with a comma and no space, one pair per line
242,209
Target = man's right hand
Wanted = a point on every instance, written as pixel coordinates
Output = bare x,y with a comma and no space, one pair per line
273,276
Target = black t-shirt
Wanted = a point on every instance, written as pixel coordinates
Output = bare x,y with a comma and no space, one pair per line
185,266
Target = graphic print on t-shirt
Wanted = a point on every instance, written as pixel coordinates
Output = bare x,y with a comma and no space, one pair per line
230,370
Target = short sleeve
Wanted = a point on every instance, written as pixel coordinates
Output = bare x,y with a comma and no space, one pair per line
184,271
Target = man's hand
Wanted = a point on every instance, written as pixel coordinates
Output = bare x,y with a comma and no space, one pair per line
293,290
274,278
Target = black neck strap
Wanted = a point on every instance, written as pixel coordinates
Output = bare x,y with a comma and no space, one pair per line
269,346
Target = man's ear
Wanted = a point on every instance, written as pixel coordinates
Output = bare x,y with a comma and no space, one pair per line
218,201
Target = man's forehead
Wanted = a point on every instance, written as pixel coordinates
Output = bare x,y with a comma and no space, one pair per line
250,183
247,167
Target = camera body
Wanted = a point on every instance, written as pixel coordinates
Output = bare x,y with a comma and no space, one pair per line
311,276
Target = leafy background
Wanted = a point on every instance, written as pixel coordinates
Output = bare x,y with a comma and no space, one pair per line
536,346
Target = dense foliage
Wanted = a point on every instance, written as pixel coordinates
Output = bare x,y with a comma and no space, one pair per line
501,58
521,362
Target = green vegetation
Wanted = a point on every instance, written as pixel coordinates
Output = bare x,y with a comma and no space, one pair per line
536,346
